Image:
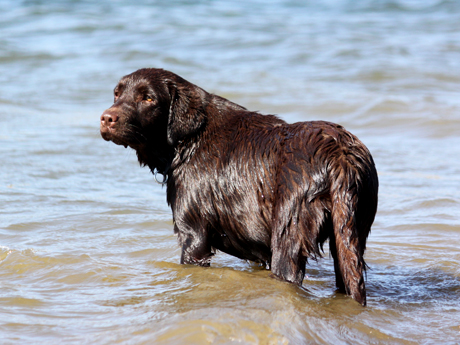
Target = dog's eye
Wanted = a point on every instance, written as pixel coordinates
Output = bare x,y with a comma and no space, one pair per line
147,99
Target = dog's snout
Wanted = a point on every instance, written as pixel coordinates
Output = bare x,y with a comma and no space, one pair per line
109,119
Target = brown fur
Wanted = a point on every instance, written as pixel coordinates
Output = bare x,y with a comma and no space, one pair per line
248,184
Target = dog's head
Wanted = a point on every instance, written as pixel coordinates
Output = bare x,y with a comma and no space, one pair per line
153,107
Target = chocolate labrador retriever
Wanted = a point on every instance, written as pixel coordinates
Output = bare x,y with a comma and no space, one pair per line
248,184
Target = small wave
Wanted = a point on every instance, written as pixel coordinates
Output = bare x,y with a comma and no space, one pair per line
4,252
403,286
399,5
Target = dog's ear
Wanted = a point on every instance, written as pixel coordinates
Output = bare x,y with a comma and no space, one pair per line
186,112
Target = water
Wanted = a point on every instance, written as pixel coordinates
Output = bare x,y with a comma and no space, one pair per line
87,252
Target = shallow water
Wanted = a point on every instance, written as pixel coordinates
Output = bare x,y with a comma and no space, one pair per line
87,252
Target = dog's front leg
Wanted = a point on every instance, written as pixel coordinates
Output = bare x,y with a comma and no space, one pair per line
196,249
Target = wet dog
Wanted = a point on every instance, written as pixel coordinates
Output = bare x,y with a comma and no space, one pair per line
247,184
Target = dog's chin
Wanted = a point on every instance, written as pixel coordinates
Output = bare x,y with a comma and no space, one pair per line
108,136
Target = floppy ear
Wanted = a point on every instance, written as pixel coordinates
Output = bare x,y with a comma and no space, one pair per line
186,112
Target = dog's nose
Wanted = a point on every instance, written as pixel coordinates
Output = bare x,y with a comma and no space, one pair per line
109,120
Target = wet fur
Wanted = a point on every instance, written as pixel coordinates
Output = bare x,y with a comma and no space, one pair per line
248,184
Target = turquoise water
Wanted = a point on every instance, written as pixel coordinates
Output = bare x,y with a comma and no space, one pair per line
87,252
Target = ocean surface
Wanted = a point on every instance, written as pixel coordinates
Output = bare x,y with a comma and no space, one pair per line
87,251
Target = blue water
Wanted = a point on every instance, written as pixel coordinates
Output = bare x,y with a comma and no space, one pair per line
87,252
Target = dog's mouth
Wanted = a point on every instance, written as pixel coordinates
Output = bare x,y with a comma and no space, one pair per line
108,134
124,138
121,131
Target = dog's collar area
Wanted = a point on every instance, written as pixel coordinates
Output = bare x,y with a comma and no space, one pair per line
163,181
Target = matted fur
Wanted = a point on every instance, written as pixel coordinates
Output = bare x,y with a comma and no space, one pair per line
247,184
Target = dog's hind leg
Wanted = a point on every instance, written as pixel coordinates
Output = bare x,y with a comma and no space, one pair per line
296,237
338,275
288,262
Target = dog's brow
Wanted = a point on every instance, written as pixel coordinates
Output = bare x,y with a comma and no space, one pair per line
145,89
119,87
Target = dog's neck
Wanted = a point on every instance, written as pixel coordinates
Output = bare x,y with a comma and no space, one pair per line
162,158
156,157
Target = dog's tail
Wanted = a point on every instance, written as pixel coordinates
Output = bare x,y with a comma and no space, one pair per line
354,185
